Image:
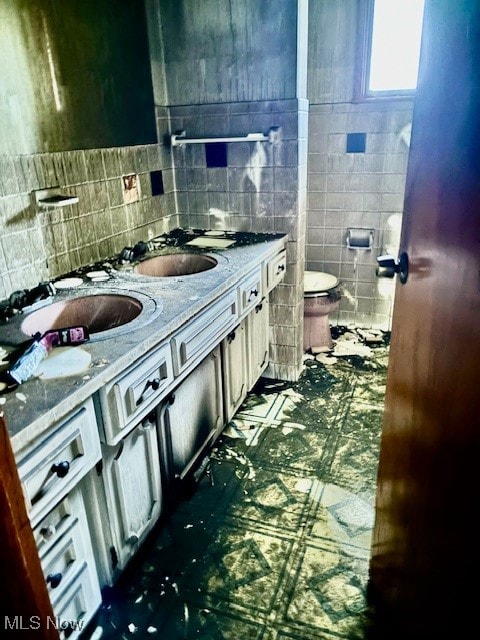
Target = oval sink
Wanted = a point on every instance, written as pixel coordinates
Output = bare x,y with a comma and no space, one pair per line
99,312
175,264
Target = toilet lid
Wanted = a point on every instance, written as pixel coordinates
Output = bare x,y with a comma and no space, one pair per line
318,281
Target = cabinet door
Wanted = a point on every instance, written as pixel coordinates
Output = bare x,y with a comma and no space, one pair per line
193,417
131,476
235,369
257,342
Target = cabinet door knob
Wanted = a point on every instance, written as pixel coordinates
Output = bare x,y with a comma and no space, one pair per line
54,579
61,468
48,532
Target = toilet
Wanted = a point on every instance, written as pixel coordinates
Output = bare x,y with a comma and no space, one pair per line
321,297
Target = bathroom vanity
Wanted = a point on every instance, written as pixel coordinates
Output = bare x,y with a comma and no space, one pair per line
102,453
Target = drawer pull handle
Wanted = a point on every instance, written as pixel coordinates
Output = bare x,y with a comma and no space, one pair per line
253,294
231,337
48,532
155,384
280,268
54,579
258,308
61,468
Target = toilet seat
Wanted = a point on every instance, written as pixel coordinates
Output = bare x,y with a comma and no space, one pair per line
318,283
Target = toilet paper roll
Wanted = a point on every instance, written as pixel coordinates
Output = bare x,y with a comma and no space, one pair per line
360,238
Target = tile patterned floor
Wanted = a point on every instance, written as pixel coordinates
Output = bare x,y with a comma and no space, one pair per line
277,547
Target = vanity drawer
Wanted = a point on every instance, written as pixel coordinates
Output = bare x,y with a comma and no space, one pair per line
76,606
276,269
64,455
204,332
128,398
65,559
56,523
66,555
250,291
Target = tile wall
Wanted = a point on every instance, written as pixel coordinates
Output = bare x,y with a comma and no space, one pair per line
263,189
351,190
356,190
37,245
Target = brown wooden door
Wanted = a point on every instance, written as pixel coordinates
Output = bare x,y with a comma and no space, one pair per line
424,567
24,602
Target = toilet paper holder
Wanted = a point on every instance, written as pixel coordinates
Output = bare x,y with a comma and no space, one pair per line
360,239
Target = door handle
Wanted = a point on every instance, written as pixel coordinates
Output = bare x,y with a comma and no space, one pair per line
388,267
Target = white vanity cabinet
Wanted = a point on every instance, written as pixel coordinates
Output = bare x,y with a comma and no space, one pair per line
96,481
66,555
192,418
50,471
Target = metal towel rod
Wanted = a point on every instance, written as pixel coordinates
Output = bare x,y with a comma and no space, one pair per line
272,136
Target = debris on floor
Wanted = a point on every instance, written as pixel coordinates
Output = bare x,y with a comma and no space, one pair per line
278,547
326,359
349,342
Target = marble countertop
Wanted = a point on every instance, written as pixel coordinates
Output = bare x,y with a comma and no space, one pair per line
37,403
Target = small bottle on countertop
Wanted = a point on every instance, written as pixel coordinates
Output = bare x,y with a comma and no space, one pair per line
26,365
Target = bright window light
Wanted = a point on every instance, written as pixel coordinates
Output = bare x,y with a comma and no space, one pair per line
395,48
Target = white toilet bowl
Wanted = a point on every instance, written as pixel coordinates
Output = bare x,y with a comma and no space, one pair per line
321,297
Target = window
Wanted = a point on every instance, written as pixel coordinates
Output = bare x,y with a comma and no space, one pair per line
390,47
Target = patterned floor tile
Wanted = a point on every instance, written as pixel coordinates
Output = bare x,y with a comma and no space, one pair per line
240,571
328,593
272,499
363,421
344,518
355,465
370,390
292,449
